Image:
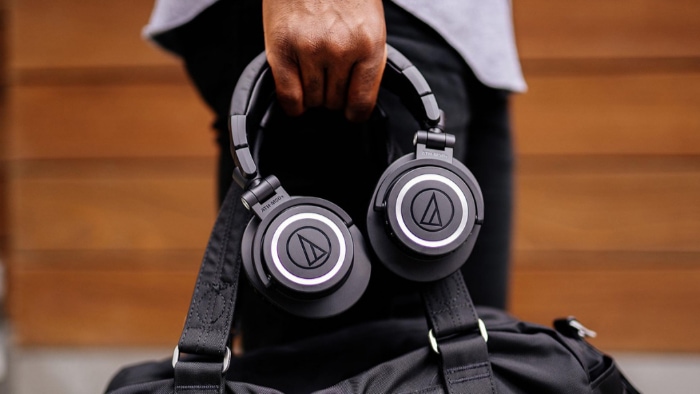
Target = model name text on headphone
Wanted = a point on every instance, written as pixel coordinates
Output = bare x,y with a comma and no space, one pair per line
435,154
271,203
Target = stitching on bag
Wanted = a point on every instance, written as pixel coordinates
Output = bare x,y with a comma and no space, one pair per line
463,288
221,261
199,387
449,309
467,379
458,296
425,390
466,368
433,304
444,289
197,291
454,317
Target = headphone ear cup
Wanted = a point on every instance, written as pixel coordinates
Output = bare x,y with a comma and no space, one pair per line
424,217
307,258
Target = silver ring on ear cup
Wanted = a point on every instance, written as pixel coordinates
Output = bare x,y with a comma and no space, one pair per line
425,217
428,209
306,258
306,249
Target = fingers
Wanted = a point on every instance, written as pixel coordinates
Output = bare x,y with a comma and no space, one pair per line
326,54
288,85
337,76
363,88
312,80
335,84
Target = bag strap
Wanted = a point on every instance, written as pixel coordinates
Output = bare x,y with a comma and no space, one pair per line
458,336
456,331
206,334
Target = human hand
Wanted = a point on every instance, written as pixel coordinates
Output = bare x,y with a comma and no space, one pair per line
329,53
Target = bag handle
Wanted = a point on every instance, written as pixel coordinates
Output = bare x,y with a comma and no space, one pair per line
206,334
458,336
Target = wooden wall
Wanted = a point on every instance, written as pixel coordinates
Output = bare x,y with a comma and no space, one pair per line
109,162
111,187
608,136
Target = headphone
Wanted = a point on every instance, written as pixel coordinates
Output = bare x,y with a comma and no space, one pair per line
306,255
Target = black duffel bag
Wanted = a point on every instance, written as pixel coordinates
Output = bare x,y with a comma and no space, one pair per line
457,348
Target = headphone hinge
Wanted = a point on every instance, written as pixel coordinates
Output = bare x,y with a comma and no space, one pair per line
434,145
264,195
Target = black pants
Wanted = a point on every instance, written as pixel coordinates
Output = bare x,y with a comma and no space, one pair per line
309,155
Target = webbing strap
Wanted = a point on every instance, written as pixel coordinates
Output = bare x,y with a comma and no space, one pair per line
460,344
207,329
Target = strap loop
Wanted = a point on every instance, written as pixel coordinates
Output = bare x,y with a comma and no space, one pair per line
225,365
434,341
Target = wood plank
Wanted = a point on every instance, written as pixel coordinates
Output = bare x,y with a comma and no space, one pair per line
113,75
608,204
610,29
95,121
108,204
3,46
590,203
101,298
599,28
655,113
609,66
635,301
74,33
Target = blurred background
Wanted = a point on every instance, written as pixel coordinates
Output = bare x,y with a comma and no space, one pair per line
107,187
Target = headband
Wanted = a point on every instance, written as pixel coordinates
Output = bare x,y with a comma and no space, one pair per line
254,93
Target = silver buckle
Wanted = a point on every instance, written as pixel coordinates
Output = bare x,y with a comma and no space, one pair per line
434,344
224,368
582,330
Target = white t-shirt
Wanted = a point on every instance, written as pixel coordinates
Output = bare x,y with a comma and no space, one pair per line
480,30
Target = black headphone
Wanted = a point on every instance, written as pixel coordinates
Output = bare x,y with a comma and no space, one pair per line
306,255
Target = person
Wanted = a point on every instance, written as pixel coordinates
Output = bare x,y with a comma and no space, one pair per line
327,59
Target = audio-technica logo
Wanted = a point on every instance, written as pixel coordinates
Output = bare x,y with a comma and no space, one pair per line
432,210
308,247
431,216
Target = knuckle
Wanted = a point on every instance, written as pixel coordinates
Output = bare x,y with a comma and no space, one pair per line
308,46
359,107
290,100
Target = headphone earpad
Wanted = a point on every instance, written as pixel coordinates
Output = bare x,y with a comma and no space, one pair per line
307,257
424,217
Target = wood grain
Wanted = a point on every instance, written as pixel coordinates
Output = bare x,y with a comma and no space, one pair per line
612,203
128,204
54,33
74,33
607,29
654,113
109,163
101,299
139,120
635,301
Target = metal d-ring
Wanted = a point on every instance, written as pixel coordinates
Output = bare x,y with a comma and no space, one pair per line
433,340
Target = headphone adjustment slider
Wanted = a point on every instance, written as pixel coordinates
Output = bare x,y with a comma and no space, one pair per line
264,195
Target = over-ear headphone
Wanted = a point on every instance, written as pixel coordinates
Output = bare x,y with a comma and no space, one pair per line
306,255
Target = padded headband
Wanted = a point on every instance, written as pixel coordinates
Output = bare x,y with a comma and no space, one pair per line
255,89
